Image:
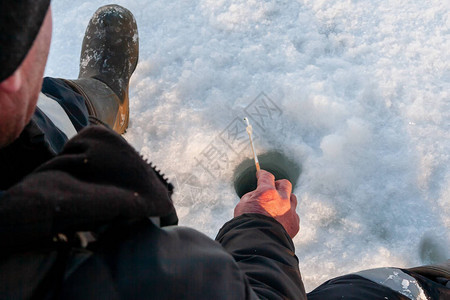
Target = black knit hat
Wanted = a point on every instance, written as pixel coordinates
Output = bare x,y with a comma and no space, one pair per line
20,21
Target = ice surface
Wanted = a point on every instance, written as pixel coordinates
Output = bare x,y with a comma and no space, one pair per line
362,102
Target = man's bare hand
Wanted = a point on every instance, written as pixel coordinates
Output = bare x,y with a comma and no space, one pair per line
274,199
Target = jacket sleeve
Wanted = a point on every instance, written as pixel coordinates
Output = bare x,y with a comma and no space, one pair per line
265,253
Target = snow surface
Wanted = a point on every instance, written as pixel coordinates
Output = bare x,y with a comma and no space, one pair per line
363,89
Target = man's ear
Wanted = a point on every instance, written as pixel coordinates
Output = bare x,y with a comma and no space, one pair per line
13,83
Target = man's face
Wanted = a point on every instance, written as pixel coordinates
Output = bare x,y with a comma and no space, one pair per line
18,105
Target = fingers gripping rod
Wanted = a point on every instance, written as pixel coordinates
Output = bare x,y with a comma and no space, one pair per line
250,131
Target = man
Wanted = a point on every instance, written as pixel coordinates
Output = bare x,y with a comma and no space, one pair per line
75,199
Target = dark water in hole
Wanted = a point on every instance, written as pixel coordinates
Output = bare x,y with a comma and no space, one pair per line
275,162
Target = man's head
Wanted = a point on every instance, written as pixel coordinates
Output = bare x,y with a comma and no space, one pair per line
25,35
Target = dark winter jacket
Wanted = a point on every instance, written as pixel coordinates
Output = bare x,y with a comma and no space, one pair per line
99,183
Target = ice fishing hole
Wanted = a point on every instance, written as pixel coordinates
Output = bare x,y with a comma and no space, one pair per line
274,162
